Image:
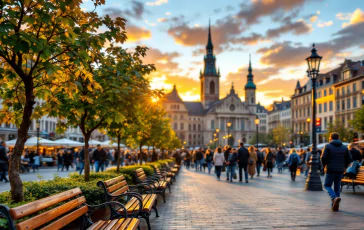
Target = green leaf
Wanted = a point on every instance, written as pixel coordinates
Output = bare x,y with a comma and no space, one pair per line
22,46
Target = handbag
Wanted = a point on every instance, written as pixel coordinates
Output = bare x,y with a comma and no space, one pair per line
251,162
265,167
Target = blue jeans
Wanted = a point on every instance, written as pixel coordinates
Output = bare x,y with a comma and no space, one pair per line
197,163
82,166
227,168
329,180
218,171
280,166
209,166
258,168
98,166
232,172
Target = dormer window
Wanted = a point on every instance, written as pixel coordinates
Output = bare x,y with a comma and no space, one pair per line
346,75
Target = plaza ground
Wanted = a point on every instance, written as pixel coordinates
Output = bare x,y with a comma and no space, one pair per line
199,201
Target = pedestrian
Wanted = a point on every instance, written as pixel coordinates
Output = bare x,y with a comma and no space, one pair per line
209,158
3,162
243,157
99,158
335,159
268,161
252,161
232,159
281,157
219,160
199,157
293,161
355,153
109,158
188,159
67,159
303,155
226,156
81,160
36,162
260,161
60,159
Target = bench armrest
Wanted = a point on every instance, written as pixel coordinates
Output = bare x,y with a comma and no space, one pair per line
5,212
113,205
140,188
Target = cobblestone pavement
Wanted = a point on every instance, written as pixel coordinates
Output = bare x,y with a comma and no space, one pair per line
199,201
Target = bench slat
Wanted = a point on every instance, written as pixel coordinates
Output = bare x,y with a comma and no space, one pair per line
133,225
111,224
114,180
45,217
33,207
120,191
62,222
139,170
96,225
114,187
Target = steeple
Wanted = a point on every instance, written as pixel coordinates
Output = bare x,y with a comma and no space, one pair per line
250,83
298,85
210,59
209,46
232,90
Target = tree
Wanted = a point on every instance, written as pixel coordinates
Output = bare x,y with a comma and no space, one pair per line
280,135
346,135
262,138
37,42
358,121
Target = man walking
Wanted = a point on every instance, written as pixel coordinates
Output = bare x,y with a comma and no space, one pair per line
335,159
355,154
199,157
243,157
281,157
99,158
3,162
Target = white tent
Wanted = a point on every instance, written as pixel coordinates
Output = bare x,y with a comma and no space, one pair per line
67,143
94,143
110,144
31,142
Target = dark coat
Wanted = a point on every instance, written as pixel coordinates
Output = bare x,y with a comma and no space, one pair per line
226,154
3,159
355,154
199,155
243,156
233,157
67,158
336,157
99,155
281,156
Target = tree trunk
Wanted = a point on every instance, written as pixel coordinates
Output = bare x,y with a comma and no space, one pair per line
117,154
87,159
140,149
15,181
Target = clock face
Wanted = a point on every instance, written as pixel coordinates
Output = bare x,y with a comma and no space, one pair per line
232,108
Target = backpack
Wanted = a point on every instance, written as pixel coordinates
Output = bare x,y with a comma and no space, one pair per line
294,160
352,170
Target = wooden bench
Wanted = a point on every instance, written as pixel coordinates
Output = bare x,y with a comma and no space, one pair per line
117,189
357,180
163,173
154,183
171,169
61,211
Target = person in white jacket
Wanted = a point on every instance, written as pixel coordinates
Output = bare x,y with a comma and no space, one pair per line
219,162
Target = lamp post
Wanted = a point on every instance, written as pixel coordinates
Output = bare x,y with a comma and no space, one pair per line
257,121
301,139
308,128
228,124
38,127
313,182
217,132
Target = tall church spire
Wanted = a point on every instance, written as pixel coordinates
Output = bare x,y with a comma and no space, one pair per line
209,46
210,60
250,82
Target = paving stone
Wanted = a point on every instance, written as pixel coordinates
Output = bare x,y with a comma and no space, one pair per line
199,201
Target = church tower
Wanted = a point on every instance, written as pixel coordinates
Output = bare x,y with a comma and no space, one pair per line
250,87
210,77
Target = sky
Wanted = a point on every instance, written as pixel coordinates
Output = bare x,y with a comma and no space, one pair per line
277,33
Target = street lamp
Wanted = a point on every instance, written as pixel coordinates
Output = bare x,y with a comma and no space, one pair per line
228,124
256,121
37,123
313,182
217,131
301,139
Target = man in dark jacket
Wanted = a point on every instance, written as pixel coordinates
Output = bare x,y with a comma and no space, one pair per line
335,159
226,155
281,157
355,154
81,159
3,162
243,157
99,158
199,157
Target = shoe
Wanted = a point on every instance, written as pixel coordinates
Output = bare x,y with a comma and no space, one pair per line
258,175
231,181
246,181
227,179
240,181
335,204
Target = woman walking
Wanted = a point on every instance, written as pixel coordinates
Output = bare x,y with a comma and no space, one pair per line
269,161
293,162
60,160
252,161
67,159
219,160
233,157
209,158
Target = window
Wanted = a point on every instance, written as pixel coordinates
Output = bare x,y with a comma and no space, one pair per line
331,91
337,92
348,89
346,74
325,123
331,106
175,126
189,127
182,126
331,120
354,87
348,104
308,112
243,125
175,117
181,117
212,124
212,87
194,127
337,105
320,108
343,105
296,113
300,112
325,93
343,91
46,126
304,112
325,107
199,127
355,103
319,94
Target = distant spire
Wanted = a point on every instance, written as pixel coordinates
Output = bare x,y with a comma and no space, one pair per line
250,82
209,46
250,64
298,84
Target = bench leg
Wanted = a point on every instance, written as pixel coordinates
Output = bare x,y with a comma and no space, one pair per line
342,185
155,208
146,217
353,187
169,188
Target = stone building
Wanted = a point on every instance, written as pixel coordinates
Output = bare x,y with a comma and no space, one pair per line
196,122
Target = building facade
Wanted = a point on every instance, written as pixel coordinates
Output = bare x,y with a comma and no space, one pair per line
279,114
262,114
195,123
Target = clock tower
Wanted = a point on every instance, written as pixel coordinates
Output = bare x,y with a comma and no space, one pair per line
250,87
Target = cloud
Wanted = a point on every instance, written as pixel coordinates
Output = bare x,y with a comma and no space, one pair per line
324,24
157,3
168,13
164,61
162,19
354,18
297,28
136,33
253,12
137,11
150,23
314,18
